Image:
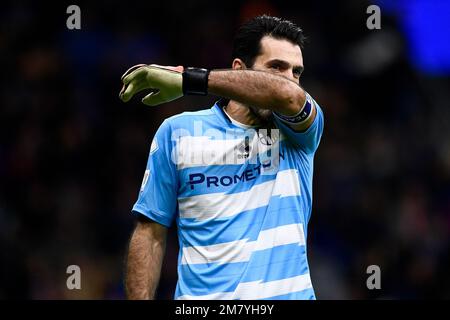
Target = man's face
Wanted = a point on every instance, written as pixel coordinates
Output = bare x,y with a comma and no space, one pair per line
279,57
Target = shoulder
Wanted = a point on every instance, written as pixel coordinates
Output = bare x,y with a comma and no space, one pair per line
186,120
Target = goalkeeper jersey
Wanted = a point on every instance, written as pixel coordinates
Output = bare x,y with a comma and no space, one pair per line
241,200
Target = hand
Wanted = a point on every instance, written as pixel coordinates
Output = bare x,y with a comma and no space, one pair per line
165,82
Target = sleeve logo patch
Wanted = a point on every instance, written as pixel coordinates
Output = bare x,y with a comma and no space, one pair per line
154,147
145,179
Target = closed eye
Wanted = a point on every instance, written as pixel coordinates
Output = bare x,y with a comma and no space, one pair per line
275,66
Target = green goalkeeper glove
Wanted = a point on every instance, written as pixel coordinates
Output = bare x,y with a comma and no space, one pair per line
166,83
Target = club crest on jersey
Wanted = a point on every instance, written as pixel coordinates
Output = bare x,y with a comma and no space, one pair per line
265,139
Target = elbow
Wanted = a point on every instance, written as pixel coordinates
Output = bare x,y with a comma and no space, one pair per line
292,99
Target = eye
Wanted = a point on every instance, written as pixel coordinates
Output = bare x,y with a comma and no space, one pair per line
297,73
275,67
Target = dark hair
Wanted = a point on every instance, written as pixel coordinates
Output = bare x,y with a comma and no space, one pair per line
247,43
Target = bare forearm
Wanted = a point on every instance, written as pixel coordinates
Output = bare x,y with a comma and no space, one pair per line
145,256
257,88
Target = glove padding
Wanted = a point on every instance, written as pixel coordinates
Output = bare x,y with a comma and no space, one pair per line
165,82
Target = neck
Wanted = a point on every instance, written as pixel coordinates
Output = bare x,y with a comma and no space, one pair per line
242,114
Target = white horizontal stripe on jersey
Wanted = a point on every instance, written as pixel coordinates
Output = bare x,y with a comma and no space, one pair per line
221,205
195,151
241,250
212,296
259,290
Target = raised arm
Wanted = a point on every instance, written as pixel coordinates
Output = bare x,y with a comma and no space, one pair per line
250,87
258,88
145,255
266,91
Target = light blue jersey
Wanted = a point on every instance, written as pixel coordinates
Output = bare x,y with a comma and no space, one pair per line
241,199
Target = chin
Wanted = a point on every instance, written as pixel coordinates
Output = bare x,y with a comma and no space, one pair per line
264,114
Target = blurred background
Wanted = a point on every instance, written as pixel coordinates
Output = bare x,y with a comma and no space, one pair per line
72,156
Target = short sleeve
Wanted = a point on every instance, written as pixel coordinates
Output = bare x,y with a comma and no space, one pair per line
157,198
308,140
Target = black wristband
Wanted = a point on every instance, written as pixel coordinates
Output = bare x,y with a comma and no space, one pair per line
195,81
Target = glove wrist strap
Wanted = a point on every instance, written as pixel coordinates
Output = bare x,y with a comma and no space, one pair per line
195,81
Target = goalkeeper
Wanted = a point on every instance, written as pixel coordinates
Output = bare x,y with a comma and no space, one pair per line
241,220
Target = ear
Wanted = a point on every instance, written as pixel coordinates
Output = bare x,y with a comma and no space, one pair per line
238,64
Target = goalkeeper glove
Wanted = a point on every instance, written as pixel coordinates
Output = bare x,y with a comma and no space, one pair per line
166,83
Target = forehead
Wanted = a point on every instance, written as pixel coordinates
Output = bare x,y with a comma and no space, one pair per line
280,49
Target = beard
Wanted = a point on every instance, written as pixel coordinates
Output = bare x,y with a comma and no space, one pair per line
265,115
